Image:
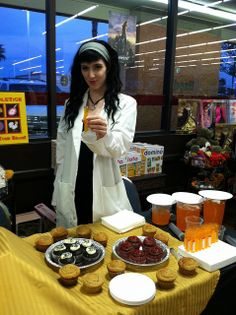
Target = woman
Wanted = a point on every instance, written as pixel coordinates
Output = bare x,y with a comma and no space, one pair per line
88,184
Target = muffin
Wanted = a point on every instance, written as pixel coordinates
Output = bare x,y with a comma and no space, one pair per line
43,242
101,238
69,274
149,230
163,237
83,231
92,282
187,266
59,233
166,278
116,267
135,241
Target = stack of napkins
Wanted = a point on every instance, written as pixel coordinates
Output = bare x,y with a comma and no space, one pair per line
123,221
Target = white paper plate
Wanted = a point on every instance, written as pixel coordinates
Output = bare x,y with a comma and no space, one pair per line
186,197
215,194
132,288
161,199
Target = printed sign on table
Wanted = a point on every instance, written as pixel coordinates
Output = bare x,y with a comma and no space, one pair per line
13,119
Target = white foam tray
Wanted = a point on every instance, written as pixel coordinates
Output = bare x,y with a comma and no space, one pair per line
219,255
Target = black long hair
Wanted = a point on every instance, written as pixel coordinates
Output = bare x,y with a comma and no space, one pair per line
78,85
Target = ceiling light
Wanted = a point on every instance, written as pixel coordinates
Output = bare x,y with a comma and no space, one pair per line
91,38
32,58
202,9
75,16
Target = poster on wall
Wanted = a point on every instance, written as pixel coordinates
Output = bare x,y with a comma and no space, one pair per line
232,112
122,36
186,115
13,120
219,111
204,114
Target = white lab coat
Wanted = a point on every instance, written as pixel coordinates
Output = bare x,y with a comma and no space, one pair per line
109,195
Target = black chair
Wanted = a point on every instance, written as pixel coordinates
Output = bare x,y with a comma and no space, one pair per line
134,200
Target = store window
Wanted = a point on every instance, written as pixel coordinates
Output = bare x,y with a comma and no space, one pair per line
23,63
205,63
142,60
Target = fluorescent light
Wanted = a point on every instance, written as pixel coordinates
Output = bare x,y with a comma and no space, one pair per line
1,68
202,9
30,68
75,16
60,67
91,38
25,60
60,60
57,49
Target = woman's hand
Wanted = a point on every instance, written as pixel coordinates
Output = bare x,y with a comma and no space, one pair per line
98,125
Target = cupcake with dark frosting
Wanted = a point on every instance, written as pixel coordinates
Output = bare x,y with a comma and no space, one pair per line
124,249
137,256
148,242
135,241
154,254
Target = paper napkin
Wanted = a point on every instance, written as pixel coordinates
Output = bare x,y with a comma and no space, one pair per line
123,221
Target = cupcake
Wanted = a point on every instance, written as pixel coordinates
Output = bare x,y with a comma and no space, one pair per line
69,241
116,267
187,266
86,243
124,249
66,258
137,256
154,254
163,237
135,241
92,282
77,252
91,254
58,251
69,274
83,231
148,242
59,233
149,230
43,242
166,278
101,238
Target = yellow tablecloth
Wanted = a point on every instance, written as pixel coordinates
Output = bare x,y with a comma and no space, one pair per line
29,287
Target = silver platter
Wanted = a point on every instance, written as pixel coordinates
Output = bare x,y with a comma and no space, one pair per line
164,247
100,248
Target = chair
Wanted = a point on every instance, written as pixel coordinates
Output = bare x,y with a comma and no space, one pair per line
134,200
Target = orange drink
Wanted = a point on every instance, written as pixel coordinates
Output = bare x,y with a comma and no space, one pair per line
161,207
160,215
213,211
86,109
182,211
214,205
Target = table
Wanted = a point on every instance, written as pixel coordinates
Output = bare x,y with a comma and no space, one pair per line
28,286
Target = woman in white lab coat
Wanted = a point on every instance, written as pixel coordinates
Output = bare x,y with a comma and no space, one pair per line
88,184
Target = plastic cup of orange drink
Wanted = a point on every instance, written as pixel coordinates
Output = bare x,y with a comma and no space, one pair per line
214,205
187,204
161,208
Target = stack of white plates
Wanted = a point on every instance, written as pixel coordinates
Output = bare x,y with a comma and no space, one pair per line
132,288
